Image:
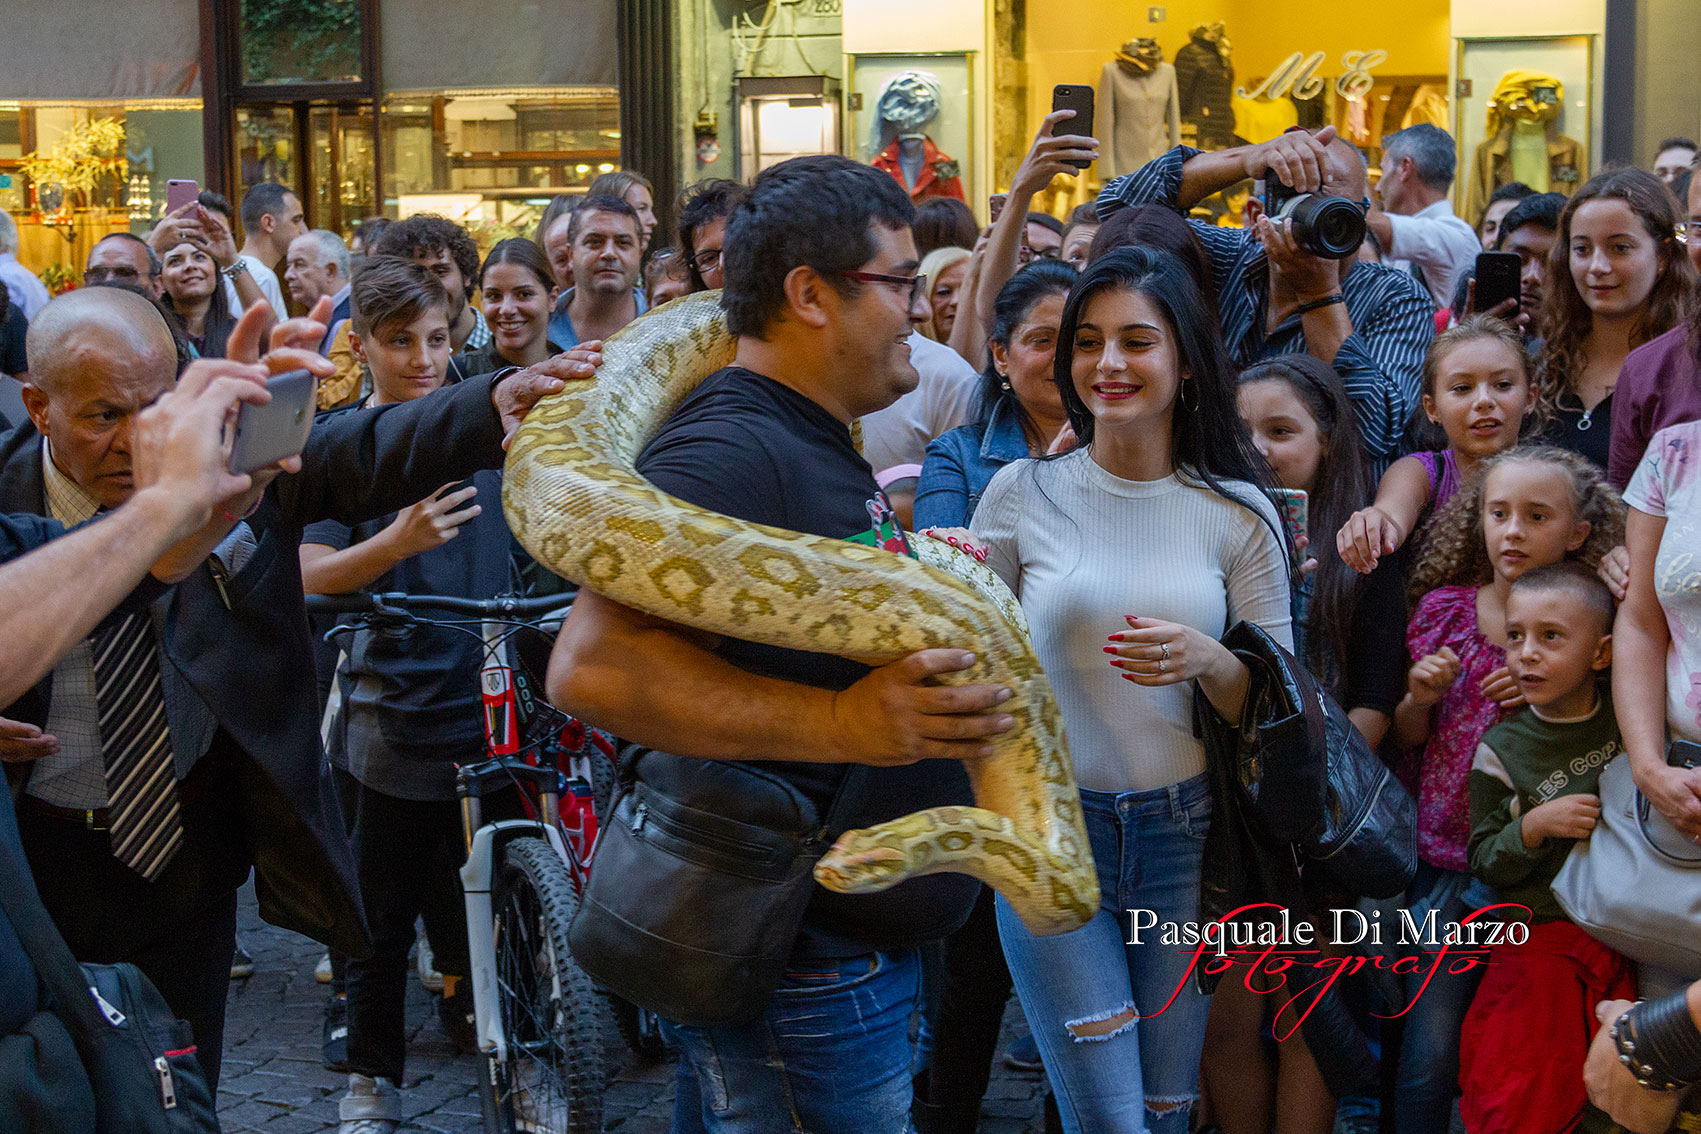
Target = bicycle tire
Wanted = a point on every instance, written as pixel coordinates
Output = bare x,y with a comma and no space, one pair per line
552,1081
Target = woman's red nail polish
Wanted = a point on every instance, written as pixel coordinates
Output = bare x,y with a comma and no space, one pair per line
1110,649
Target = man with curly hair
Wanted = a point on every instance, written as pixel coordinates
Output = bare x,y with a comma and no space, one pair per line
446,249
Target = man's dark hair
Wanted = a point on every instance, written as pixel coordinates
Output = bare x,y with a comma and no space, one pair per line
426,234
1540,209
944,222
601,203
263,200
393,290
813,211
1046,220
154,266
1511,191
1087,214
1676,144
1572,578
1431,149
708,200
220,204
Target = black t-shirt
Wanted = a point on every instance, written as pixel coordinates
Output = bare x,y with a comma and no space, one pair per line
412,704
1569,431
747,446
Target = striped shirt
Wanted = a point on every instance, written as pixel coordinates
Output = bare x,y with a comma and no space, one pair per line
1381,362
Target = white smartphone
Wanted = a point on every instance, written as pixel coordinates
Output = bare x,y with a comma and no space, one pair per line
270,433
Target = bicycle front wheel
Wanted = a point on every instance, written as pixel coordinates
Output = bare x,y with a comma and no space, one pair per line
551,1081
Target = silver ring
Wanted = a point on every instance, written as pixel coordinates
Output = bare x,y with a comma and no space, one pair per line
1166,651
1163,666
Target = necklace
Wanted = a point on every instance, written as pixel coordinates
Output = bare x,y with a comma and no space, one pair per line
1587,421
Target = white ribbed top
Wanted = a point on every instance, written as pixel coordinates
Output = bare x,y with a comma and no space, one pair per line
1082,548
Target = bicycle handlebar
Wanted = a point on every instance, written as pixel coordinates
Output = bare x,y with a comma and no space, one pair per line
506,607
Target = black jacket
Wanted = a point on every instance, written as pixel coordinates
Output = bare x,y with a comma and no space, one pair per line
252,664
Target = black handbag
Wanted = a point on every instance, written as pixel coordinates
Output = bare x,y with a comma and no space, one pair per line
1309,776
699,884
139,1057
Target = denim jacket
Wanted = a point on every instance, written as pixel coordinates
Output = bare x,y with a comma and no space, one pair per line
959,465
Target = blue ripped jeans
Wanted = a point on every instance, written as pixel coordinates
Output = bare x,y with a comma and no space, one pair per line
1143,1075
830,1055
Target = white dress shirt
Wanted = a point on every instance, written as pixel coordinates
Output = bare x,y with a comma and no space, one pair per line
1434,246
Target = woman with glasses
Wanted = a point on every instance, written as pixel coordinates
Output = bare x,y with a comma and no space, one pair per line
704,209
1132,555
1617,278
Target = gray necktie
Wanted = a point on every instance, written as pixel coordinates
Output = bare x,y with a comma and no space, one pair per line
144,818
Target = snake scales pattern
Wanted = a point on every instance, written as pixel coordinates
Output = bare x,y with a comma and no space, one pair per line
574,501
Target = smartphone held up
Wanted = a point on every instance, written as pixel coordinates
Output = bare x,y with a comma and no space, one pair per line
1071,96
278,430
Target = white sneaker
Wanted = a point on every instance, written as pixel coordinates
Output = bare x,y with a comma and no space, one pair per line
427,965
322,970
372,1106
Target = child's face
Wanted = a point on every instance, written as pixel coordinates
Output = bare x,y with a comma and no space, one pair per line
1528,519
408,360
1284,431
1480,397
1555,643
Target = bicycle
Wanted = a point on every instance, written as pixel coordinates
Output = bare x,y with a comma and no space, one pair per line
535,1010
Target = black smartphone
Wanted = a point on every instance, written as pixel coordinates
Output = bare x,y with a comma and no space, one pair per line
1683,754
269,433
1069,96
1498,279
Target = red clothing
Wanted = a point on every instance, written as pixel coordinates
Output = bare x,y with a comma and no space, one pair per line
1527,1033
938,177
1660,385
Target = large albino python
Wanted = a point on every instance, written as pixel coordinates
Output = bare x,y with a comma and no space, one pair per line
576,504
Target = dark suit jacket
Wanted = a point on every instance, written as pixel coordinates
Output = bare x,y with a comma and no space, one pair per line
252,664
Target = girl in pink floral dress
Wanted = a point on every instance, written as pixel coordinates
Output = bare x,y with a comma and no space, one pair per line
1528,507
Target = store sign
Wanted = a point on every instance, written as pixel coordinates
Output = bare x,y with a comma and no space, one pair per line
1297,76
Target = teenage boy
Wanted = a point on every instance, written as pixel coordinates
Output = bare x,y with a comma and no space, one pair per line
1533,792
409,703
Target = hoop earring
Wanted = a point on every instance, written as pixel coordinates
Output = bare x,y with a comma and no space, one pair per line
1181,396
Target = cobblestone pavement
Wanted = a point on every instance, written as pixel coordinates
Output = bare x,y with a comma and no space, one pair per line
273,1082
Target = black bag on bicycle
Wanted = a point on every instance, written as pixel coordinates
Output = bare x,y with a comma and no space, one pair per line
140,1059
699,884
1309,775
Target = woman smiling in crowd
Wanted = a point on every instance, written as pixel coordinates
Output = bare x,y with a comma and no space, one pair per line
516,294
1131,556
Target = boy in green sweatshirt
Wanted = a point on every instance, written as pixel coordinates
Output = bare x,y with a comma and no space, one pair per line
1533,790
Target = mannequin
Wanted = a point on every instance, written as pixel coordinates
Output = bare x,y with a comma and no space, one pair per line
907,103
1205,82
1524,142
1139,108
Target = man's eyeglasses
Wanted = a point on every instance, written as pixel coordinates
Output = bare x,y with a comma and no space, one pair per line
100,275
917,284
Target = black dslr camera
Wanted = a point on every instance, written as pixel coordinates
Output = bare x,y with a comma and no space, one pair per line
1330,227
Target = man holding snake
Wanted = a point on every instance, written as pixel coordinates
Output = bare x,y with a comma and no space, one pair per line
821,292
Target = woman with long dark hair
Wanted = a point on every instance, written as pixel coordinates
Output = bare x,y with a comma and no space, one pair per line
1131,556
517,293
1617,277
195,294
1020,413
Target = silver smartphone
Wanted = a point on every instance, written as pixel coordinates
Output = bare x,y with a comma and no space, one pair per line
270,433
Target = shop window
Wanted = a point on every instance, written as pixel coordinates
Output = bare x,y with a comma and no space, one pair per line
492,159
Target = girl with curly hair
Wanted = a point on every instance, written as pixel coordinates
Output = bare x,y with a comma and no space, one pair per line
1617,277
1524,509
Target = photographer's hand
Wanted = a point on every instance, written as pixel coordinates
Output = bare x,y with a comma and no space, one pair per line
1299,278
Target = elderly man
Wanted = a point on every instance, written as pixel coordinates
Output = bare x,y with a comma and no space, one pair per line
1372,323
119,258
604,236
182,758
1415,225
52,594
317,266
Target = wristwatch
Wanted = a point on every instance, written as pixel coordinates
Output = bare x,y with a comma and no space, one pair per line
235,269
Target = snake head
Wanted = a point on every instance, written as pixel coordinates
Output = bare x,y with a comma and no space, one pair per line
850,869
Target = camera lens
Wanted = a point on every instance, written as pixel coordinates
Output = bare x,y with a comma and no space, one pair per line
1330,227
